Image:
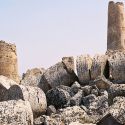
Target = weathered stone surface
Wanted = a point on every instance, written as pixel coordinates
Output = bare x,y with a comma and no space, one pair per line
116,26
69,63
75,87
50,109
16,113
58,75
96,105
34,95
117,67
57,97
76,99
86,90
98,66
102,83
32,77
116,112
8,61
116,90
83,65
67,116
38,121
77,123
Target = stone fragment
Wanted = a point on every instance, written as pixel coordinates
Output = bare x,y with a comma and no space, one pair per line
117,67
98,66
51,109
76,99
57,97
116,90
83,65
115,115
38,121
67,116
86,90
102,83
69,63
75,87
16,113
58,75
34,95
32,77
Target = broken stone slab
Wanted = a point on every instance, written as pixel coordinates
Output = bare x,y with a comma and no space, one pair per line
34,95
98,66
16,113
102,83
50,109
32,77
83,65
57,75
57,97
76,99
117,67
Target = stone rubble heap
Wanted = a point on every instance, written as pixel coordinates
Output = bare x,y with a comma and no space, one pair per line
76,91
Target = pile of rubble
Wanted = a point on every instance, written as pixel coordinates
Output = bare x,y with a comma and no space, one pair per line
82,91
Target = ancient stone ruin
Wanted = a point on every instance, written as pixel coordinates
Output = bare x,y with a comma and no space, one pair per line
80,90
8,61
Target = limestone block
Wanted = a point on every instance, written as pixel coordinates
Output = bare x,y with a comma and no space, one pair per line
83,65
16,113
34,95
57,75
98,66
32,77
117,67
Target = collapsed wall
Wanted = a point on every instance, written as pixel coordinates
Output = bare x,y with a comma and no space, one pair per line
8,61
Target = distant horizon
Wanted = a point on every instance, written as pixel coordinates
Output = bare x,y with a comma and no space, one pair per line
45,31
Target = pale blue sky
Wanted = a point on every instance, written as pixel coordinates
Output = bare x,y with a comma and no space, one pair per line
46,30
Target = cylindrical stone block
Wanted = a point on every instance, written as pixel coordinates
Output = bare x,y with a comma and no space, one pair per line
8,61
98,66
83,65
34,95
117,67
116,26
16,113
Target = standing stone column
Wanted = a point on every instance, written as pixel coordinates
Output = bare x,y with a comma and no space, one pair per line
8,61
116,26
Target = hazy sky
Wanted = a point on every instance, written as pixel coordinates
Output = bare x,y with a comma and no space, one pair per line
46,30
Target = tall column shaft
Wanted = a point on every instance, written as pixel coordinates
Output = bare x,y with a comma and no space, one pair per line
116,26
